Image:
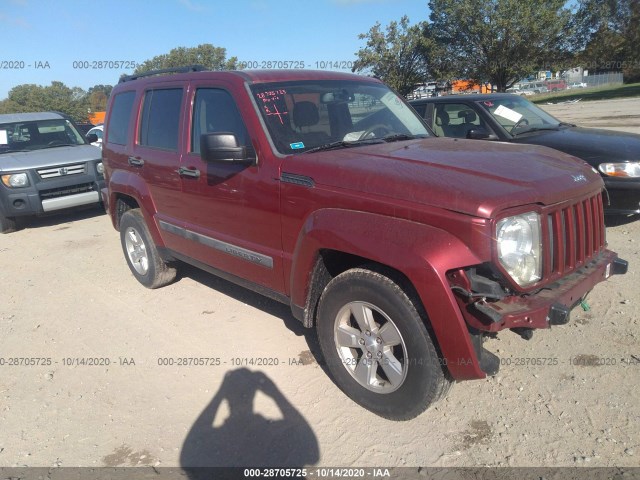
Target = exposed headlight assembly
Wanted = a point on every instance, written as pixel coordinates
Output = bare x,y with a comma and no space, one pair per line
16,180
623,169
519,249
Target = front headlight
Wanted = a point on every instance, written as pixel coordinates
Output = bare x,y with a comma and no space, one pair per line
16,180
100,168
519,249
624,169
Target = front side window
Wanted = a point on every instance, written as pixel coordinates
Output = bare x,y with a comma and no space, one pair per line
455,120
214,110
303,115
160,118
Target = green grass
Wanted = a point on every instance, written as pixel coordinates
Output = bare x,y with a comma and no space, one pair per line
587,94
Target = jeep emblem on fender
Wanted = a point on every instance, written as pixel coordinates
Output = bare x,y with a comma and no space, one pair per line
62,171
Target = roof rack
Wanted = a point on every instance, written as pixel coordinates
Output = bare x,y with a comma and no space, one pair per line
185,69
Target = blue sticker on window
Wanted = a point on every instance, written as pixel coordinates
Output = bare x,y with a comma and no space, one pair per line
296,146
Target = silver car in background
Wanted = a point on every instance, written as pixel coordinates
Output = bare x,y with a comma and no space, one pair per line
46,165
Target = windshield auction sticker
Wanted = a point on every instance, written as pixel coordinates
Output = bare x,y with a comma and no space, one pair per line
507,113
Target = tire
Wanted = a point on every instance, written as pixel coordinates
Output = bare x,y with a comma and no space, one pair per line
141,253
7,224
376,345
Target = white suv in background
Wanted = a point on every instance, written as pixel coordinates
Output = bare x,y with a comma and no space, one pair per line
46,165
98,132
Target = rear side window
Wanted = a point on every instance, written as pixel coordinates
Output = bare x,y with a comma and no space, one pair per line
120,118
161,118
215,111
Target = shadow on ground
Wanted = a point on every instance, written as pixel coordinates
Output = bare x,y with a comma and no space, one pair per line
234,435
256,300
619,220
57,218
243,295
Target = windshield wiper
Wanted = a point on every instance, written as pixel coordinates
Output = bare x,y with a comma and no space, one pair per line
58,145
536,129
565,124
344,144
11,150
398,137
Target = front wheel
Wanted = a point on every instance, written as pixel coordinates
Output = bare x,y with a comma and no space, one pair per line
141,253
376,345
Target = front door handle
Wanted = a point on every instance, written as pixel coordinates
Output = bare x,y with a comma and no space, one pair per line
188,172
136,161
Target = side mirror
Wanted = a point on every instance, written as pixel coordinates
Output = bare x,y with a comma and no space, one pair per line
92,138
480,133
222,147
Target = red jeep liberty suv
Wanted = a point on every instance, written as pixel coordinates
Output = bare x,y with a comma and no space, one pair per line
327,192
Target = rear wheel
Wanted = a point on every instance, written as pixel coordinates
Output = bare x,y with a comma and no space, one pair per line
7,224
141,253
376,345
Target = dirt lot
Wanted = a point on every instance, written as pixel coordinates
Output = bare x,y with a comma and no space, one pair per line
622,114
67,294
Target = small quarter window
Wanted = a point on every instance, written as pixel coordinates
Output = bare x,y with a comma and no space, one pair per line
120,118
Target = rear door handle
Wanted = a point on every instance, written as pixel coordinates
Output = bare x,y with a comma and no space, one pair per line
188,172
136,161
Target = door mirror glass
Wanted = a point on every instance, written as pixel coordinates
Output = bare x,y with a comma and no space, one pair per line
222,147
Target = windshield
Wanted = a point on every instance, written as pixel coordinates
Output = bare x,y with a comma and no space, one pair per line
305,115
37,134
518,115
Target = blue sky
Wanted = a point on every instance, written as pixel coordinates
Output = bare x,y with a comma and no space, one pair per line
61,32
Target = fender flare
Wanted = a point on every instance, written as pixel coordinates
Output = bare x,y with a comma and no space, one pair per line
422,253
126,183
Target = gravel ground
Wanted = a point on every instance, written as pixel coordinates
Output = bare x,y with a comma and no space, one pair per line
68,294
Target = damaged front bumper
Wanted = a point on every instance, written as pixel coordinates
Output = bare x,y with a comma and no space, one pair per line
551,305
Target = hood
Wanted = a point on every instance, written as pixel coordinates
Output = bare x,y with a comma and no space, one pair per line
593,145
48,157
467,176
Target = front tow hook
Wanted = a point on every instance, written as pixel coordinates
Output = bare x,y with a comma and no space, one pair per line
619,267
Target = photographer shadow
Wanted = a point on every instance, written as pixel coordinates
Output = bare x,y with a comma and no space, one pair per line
247,438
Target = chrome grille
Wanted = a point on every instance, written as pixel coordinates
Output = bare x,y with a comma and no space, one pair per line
62,171
575,234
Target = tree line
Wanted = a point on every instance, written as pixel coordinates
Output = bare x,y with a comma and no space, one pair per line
503,41
75,102
488,41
